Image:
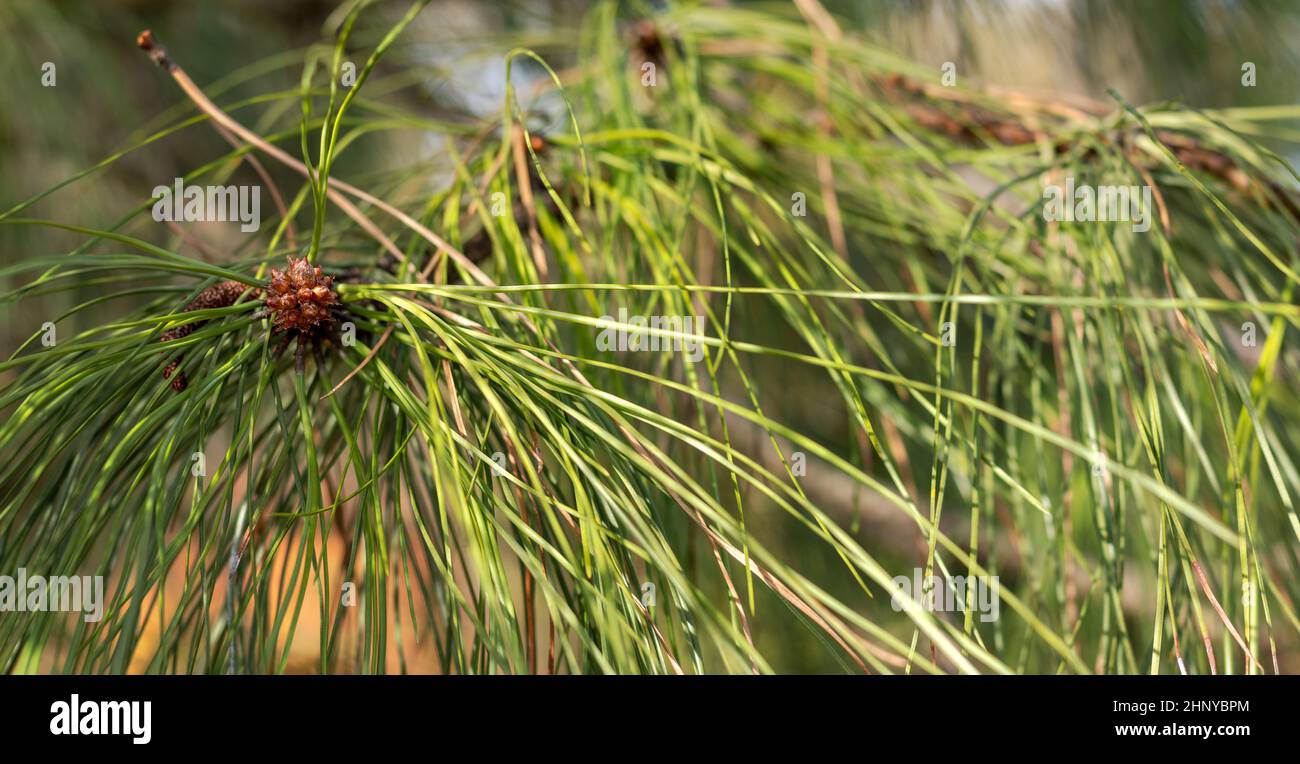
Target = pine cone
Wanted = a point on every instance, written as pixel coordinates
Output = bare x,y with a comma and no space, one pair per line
300,297
219,295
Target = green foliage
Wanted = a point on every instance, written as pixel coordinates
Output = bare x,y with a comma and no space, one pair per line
1097,434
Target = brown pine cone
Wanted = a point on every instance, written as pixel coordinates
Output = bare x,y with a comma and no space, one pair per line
219,295
300,297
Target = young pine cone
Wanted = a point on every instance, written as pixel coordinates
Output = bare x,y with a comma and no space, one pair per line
218,295
300,297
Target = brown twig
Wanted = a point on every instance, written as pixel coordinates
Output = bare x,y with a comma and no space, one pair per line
969,122
335,189
525,180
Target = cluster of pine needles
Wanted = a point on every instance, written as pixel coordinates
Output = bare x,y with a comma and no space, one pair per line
906,370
